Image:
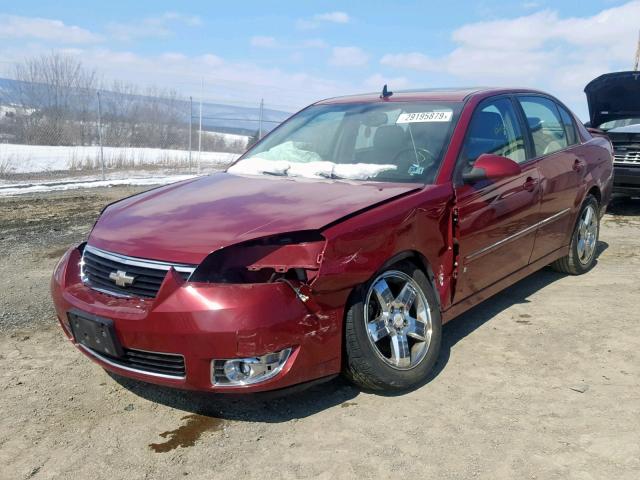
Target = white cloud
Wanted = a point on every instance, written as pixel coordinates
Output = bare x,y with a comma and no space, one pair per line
411,60
348,57
314,43
186,19
377,81
259,41
173,57
225,81
334,17
319,19
541,49
263,42
14,26
152,27
211,60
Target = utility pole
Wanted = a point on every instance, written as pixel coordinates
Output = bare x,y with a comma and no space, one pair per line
637,53
100,135
261,116
200,125
190,125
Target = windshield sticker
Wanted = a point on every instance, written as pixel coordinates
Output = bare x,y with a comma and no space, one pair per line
415,169
419,117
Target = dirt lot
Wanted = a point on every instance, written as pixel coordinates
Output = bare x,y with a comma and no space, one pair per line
542,381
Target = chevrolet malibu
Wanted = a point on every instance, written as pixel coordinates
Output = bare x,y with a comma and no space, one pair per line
341,242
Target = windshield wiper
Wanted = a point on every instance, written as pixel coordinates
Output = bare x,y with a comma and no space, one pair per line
332,176
276,174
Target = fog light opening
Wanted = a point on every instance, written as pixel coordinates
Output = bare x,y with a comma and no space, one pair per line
247,371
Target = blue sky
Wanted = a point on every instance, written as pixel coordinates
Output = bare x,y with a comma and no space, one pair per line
292,53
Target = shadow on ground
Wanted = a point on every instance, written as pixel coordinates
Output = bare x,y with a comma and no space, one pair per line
624,206
273,408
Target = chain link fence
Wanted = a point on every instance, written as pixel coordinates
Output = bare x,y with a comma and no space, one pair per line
53,134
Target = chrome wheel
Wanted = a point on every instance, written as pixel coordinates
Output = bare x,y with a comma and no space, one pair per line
587,234
398,320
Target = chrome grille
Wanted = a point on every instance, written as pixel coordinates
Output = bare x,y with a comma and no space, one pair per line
153,363
98,266
627,157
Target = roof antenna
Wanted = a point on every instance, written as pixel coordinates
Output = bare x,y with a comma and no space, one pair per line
385,93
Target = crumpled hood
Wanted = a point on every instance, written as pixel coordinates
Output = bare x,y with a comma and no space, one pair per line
613,96
186,221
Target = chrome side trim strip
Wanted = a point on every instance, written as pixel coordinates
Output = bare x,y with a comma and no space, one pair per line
129,369
482,251
140,262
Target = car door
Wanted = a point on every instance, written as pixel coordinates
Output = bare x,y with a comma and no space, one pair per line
561,170
496,218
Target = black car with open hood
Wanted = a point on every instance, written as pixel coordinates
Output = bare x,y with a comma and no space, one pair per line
614,108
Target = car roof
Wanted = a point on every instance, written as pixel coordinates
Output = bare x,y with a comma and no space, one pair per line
458,94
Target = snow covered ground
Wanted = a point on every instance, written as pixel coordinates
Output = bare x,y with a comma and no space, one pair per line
21,189
32,169
20,159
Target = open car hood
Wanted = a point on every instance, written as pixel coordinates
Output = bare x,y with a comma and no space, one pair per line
613,96
186,221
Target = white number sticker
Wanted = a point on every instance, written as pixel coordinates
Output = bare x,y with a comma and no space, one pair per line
418,117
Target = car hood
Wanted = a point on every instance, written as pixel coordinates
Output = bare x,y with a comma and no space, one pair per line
613,96
186,221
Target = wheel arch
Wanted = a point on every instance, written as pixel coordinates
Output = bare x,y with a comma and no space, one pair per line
418,259
595,191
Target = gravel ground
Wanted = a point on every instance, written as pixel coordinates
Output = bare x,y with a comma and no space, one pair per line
542,381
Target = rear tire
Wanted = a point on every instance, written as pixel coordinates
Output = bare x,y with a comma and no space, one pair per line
393,330
584,241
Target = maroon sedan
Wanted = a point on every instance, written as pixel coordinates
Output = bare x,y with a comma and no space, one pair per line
341,242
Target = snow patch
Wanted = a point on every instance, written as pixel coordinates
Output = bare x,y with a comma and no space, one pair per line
16,159
21,189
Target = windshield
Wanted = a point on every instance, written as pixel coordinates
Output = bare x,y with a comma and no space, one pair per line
393,142
624,122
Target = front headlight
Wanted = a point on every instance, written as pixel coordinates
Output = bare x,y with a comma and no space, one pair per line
292,256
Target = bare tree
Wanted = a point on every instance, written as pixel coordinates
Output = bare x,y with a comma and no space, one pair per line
57,104
58,90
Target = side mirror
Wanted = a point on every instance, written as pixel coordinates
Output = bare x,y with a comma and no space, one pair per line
491,167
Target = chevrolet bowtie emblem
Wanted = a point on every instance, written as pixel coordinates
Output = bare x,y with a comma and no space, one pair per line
121,278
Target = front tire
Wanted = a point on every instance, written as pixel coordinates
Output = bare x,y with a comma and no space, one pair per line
393,330
582,250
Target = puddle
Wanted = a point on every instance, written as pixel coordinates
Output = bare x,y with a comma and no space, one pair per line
187,434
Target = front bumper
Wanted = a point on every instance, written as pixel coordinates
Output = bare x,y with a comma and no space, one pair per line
203,322
626,180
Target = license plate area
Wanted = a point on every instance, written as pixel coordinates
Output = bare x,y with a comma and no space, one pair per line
95,333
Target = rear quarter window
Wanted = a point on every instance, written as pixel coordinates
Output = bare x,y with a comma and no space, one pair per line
569,125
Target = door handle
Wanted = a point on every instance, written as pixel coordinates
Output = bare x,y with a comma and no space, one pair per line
530,184
578,165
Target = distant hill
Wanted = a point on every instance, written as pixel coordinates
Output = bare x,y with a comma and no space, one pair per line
216,117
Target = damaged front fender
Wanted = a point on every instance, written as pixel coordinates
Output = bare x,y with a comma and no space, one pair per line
294,256
417,225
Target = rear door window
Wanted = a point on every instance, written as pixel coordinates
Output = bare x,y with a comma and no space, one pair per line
546,127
